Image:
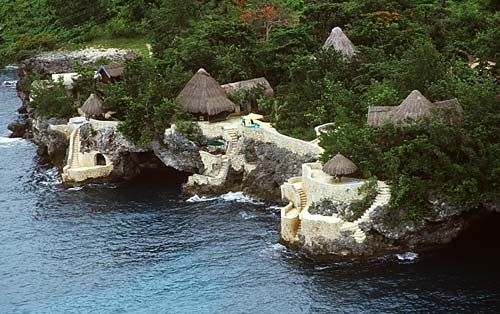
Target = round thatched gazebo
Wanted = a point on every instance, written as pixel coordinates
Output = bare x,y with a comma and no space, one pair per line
92,106
339,166
340,42
204,95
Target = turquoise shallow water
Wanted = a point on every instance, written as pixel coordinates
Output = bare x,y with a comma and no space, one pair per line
139,247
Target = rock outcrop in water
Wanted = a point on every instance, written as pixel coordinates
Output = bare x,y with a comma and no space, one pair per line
273,166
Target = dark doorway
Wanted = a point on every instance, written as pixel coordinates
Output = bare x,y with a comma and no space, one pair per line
100,160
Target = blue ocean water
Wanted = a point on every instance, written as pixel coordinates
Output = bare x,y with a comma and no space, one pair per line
140,247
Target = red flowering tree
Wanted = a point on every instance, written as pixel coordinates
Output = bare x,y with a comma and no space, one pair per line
264,15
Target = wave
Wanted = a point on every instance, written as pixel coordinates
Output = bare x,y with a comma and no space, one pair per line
4,140
49,177
196,199
75,188
12,67
10,142
407,257
247,215
11,84
238,197
275,207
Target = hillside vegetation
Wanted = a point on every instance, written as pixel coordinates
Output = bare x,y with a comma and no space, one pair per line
402,46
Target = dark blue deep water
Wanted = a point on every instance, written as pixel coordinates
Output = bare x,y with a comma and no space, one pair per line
139,247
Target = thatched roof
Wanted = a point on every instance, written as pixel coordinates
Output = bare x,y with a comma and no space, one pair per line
203,94
114,70
339,165
249,84
450,110
449,104
414,106
379,115
92,106
339,41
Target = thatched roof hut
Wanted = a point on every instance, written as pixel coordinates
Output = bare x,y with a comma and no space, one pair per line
203,94
450,110
249,84
379,115
339,166
340,42
414,106
92,106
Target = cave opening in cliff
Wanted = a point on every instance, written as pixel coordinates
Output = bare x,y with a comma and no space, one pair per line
152,170
481,237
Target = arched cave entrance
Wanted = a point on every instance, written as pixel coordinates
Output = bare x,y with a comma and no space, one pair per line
100,160
479,242
150,170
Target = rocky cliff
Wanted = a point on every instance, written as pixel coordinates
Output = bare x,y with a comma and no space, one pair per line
389,230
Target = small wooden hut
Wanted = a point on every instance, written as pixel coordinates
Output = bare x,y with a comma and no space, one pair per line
340,42
415,106
339,166
111,72
203,96
92,107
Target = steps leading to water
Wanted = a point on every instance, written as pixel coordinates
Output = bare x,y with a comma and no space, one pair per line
231,151
382,199
303,198
75,149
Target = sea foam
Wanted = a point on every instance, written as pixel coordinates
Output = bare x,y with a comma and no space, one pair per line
238,197
11,84
406,257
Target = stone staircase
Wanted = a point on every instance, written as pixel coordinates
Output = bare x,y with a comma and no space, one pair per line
232,149
75,149
234,140
382,199
303,204
303,198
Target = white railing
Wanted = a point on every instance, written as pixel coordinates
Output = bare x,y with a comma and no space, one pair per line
320,128
289,143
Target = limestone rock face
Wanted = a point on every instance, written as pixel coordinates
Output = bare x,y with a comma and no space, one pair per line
274,165
52,144
20,127
446,224
120,151
178,152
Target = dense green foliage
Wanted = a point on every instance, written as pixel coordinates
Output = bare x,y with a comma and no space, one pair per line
144,99
29,26
402,46
52,99
191,129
